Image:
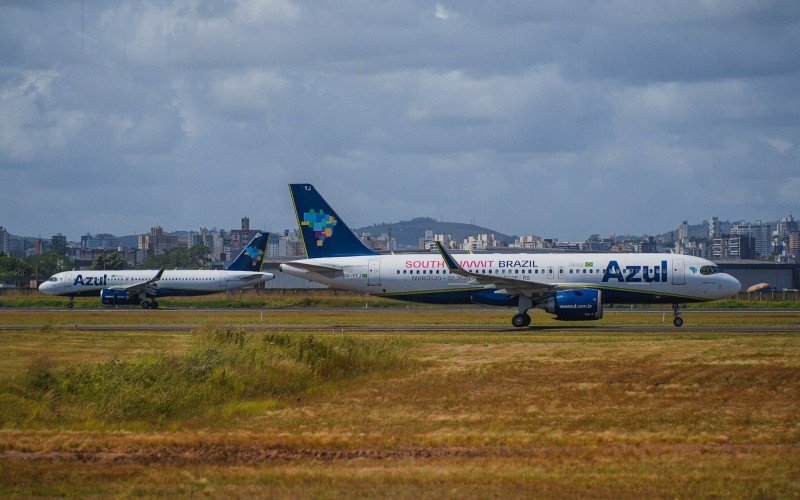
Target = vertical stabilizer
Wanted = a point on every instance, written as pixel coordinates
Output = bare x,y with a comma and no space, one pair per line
324,233
252,256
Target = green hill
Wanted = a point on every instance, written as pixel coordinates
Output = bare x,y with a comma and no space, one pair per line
408,232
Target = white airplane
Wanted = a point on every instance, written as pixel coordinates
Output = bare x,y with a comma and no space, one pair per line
573,286
143,287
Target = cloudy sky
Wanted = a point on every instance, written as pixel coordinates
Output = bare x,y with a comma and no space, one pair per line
553,118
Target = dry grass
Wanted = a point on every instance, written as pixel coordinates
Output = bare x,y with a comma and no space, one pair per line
546,413
484,316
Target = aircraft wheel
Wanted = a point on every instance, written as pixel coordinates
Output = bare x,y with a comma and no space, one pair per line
145,304
521,320
69,305
677,321
154,305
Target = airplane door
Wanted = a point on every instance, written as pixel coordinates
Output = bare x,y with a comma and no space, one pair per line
374,276
678,272
550,272
560,273
222,280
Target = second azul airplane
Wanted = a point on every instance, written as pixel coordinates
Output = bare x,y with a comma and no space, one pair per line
573,286
144,287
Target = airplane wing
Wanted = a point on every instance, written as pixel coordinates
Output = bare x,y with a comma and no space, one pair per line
327,271
512,286
252,277
149,286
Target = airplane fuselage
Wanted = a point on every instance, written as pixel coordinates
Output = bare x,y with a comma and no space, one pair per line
171,283
623,278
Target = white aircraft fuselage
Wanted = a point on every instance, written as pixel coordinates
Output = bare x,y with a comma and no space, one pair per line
573,286
424,277
171,283
144,287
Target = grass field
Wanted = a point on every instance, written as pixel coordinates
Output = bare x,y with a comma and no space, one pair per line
283,299
547,412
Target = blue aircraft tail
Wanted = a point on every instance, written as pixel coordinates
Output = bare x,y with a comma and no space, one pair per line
252,256
324,233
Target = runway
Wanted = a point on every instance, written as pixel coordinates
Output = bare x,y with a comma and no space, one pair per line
255,327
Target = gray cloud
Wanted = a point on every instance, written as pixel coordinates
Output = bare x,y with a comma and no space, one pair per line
560,119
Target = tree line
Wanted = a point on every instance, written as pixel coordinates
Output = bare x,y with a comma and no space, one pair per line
49,263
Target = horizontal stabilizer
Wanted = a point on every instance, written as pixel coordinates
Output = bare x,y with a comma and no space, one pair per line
327,271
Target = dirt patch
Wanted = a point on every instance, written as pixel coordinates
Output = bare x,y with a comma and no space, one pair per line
217,454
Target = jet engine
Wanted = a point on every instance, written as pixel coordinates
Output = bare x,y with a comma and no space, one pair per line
575,305
113,297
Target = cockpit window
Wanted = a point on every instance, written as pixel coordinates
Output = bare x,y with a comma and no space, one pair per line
53,279
710,270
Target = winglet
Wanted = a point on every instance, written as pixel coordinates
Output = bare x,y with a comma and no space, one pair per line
158,275
449,261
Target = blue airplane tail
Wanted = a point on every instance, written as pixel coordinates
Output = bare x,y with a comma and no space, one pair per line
252,256
324,233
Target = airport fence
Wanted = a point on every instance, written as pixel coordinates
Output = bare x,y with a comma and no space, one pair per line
779,296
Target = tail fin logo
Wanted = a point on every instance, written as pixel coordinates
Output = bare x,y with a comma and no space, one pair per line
321,223
255,254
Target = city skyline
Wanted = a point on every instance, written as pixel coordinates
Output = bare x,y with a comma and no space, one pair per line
571,118
292,227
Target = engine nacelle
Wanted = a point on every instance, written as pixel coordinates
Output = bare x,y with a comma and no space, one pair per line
576,305
113,297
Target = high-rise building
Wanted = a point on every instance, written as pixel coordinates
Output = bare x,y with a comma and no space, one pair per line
794,244
102,241
5,242
734,246
713,228
157,242
786,226
683,231
760,232
239,238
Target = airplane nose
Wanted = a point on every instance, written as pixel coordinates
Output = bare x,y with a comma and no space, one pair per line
734,286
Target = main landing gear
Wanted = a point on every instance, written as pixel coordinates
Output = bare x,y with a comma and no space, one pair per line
149,304
522,319
71,303
678,321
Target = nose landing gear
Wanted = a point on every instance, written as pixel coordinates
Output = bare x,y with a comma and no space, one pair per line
677,321
71,303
